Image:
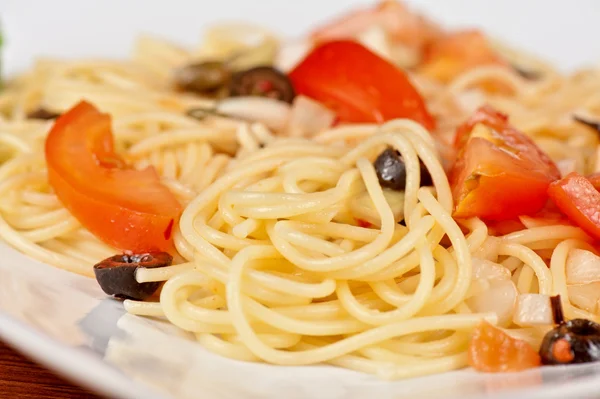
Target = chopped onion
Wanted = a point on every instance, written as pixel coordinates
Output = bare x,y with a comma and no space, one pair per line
533,310
308,117
470,100
376,39
500,298
585,296
273,113
566,166
485,269
291,53
582,267
405,56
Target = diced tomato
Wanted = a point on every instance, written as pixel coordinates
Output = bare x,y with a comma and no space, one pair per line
358,85
499,173
403,25
126,208
452,54
493,351
577,198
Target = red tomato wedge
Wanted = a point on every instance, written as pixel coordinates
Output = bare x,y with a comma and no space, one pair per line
499,173
403,25
455,53
492,350
358,85
577,198
595,180
126,208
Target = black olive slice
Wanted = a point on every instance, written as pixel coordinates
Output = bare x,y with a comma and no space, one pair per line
391,171
589,123
116,275
527,73
557,311
203,78
263,81
43,114
426,179
576,341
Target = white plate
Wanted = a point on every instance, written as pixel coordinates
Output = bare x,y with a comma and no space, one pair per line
64,320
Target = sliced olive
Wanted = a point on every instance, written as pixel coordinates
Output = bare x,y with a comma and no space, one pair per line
116,275
263,81
557,310
391,170
203,78
576,341
589,123
42,113
527,73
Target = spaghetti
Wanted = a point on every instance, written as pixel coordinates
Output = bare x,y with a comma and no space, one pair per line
289,249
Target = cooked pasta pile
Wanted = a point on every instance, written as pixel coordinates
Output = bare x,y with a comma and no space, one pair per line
289,251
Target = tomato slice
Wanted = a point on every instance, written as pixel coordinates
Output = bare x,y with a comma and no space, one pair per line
403,25
595,180
493,351
358,85
126,208
577,198
452,54
499,173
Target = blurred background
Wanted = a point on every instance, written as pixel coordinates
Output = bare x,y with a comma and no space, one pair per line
564,32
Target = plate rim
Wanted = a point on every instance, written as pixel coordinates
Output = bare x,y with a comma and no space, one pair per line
71,363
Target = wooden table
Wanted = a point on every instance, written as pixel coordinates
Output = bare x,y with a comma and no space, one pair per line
22,379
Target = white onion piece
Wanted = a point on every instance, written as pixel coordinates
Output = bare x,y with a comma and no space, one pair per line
533,310
405,56
291,53
486,269
376,39
566,166
582,267
308,117
500,299
585,296
478,287
470,100
272,113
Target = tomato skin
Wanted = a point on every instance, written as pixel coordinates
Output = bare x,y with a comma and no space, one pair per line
127,209
454,53
501,177
395,18
504,227
493,351
595,180
579,200
358,85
